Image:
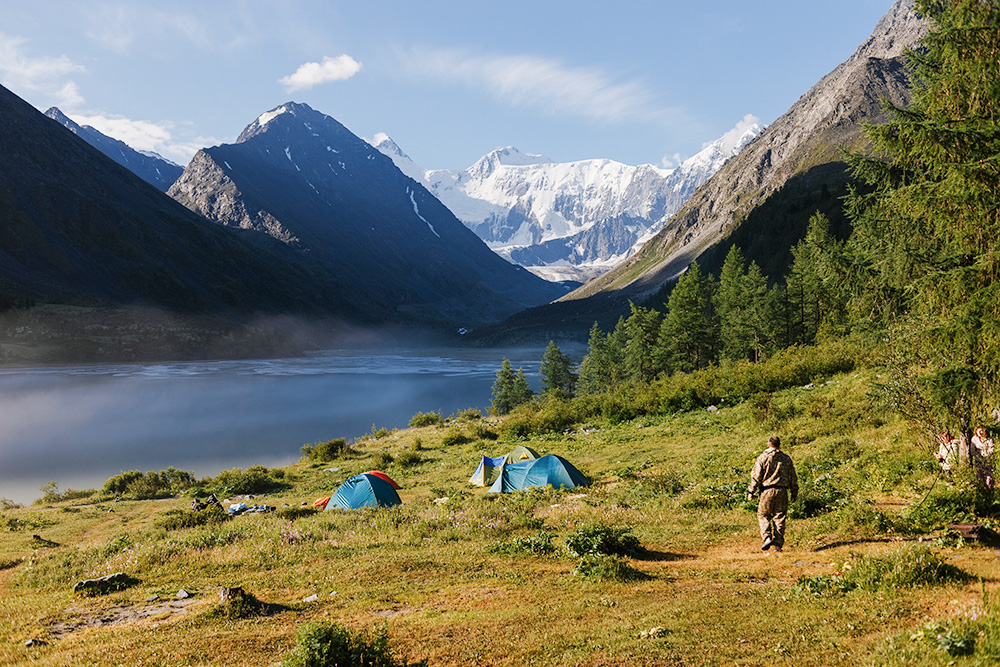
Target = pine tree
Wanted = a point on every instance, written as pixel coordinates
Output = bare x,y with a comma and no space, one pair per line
926,240
643,328
510,389
556,372
689,334
595,369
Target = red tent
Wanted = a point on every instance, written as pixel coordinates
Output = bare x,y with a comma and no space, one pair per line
382,475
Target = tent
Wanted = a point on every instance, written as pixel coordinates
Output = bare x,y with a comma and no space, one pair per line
379,473
364,490
550,469
521,453
488,470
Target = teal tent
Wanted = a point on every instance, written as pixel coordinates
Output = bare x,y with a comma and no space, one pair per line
364,490
549,469
488,470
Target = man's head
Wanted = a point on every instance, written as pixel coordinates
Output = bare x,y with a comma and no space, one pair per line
774,442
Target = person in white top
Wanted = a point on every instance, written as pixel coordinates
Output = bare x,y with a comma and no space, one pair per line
983,446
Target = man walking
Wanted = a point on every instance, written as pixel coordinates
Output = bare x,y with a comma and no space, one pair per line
774,474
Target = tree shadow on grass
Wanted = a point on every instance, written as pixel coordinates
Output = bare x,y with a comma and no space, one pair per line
653,556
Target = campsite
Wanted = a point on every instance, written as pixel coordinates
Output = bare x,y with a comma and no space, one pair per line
655,561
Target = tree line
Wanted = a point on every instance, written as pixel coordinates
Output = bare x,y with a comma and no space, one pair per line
915,282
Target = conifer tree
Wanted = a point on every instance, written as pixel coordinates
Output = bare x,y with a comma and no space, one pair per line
926,240
689,335
643,328
595,371
510,389
556,372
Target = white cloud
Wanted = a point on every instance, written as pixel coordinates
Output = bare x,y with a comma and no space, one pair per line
44,78
312,74
542,83
146,135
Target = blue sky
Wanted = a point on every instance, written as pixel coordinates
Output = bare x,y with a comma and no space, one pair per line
635,81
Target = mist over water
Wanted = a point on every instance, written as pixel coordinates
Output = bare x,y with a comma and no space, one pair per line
80,425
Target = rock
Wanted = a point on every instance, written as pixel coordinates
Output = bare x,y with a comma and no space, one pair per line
227,593
153,598
182,594
311,598
105,584
36,642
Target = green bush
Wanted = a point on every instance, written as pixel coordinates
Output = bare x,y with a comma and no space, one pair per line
426,419
382,460
239,605
148,485
295,513
454,437
330,450
538,544
408,459
178,518
333,644
909,567
606,540
602,567
254,480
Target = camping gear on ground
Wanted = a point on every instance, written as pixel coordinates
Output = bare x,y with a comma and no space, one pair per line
321,502
379,473
488,470
521,453
549,469
364,490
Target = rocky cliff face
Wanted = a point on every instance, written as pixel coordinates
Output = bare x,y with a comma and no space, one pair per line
804,142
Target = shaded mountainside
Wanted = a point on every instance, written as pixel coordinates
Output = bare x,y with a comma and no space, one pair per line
805,144
299,177
79,229
762,198
149,167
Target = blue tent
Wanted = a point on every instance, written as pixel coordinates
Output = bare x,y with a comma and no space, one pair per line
364,490
488,470
549,469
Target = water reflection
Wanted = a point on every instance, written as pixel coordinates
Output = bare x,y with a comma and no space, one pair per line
79,425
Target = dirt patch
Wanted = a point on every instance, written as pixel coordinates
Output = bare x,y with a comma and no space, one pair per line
80,619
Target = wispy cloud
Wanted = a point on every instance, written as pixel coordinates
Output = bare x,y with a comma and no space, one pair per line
45,77
146,135
117,27
312,74
542,83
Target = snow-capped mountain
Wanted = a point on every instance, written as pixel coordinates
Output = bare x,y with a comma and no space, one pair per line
572,220
300,177
147,165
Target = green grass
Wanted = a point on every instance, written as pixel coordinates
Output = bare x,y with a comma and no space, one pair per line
662,540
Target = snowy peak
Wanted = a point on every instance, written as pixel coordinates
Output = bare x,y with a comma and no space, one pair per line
572,220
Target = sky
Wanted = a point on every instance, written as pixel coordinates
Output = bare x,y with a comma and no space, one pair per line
637,81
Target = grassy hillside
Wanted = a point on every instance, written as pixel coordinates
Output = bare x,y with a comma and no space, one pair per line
456,576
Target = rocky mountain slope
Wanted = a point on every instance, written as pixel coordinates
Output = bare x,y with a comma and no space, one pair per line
80,229
150,167
802,148
567,221
299,177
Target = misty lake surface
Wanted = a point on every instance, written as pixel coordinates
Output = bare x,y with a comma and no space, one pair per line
80,425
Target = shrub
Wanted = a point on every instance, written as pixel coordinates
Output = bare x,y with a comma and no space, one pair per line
454,437
144,486
602,567
326,451
482,431
603,540
908,567
252,481
426,419
381,460
408,459
469,415
177,518
538,544
329,644
239,604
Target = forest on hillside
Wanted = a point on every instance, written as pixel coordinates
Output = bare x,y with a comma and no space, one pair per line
912,289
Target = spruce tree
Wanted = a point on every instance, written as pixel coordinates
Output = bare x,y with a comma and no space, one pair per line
689,335
595,369
556,372
643,328
510,389
926,239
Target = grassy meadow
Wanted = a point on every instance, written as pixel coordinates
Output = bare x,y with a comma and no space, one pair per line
456,576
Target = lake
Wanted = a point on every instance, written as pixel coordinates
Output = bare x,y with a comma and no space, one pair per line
80,425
